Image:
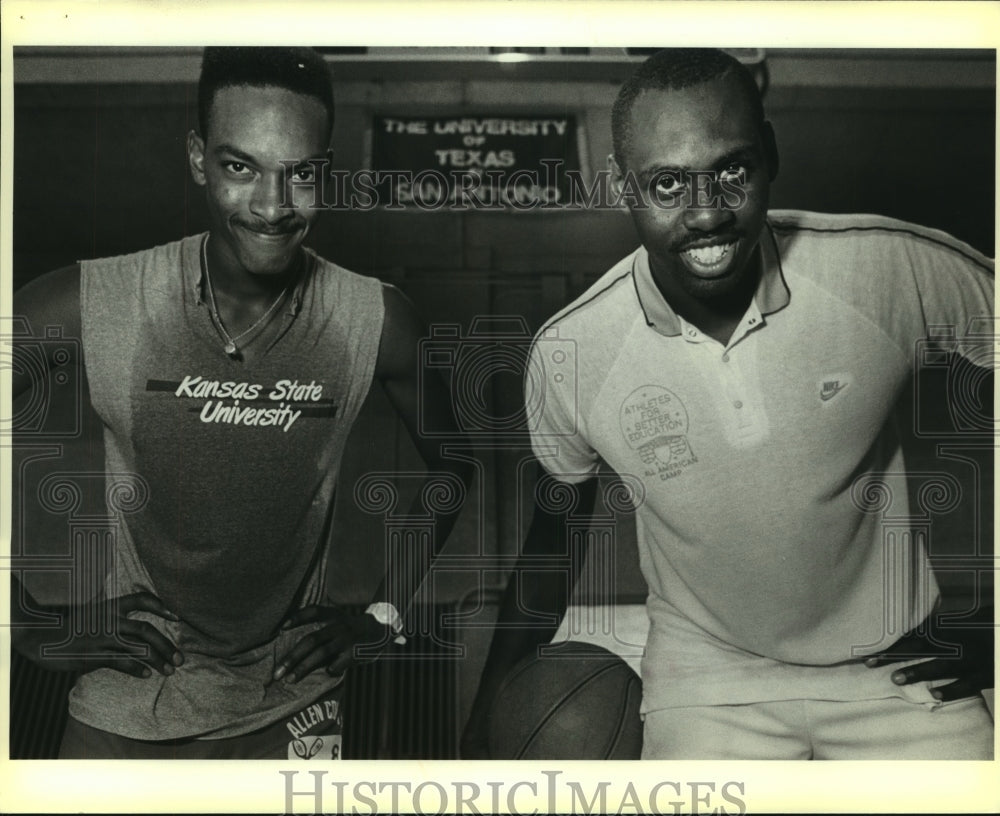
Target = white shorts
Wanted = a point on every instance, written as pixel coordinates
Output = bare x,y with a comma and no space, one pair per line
892,728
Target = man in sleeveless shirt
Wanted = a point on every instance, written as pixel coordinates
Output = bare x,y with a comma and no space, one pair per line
740,373
228,369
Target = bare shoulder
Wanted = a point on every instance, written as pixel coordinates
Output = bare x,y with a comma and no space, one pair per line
52,299
402,329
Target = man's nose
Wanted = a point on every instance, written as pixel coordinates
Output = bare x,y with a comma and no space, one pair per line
706,210
269,198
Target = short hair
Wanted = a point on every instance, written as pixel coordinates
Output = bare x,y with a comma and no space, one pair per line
673,69
302,70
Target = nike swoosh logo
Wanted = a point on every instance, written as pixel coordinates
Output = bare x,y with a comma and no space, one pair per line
829,395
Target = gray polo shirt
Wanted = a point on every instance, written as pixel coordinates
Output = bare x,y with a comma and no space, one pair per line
760,466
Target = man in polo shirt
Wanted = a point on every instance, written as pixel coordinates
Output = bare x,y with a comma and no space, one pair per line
741,369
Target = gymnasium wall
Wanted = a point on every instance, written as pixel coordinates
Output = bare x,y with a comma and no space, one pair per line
100,169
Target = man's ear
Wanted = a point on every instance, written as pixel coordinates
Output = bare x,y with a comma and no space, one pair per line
770,145
617,177
196,157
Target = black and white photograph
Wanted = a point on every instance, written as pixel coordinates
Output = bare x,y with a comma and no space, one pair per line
526,419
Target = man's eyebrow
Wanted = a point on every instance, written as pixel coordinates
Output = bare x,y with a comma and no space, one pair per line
235,153
738,153
319,157
742,152
248,159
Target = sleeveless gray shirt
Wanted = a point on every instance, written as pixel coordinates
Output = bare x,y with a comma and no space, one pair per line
231,469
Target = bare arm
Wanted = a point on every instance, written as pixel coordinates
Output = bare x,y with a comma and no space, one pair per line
408,389
530,593
50,301
50,305
956,392
397,369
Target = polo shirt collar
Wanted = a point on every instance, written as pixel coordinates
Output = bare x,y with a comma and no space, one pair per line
772,293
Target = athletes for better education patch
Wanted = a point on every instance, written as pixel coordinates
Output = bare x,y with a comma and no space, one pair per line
654,423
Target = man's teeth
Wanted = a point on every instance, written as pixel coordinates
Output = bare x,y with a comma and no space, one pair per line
711,255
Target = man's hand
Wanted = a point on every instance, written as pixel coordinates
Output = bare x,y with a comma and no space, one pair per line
333,645
971,670
122,643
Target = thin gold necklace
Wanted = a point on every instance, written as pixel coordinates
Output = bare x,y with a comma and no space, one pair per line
231,348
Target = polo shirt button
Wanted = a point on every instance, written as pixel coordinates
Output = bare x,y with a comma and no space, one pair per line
737,404
725,358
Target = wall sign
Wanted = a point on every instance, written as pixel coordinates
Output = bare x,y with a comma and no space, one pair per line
469,161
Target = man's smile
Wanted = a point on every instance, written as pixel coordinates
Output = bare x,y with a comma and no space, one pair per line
269,235
710,260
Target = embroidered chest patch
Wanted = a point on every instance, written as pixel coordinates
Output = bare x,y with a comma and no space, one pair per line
654,424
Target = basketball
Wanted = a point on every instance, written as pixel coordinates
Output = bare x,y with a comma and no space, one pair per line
575,701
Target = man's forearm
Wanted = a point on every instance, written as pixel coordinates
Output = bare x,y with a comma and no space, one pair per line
532,608
411,551
533,605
